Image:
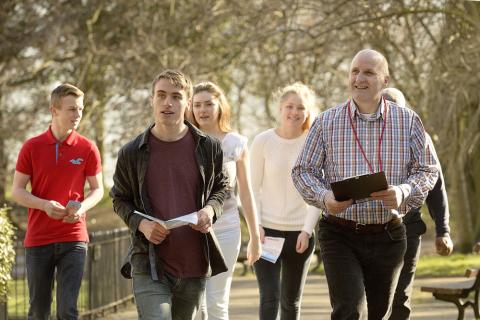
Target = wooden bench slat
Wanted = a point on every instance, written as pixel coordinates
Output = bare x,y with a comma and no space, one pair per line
452,287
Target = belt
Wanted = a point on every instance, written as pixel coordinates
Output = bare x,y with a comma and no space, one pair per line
360,228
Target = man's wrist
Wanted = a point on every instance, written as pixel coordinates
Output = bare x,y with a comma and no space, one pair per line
405,189
209,210
323,198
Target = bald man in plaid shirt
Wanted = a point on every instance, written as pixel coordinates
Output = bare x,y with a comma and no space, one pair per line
363,242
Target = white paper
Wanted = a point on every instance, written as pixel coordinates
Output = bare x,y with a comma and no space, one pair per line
191,218
271,248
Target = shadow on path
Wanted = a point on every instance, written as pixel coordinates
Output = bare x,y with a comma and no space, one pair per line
315,303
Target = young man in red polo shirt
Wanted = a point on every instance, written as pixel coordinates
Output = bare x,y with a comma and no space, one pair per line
57,163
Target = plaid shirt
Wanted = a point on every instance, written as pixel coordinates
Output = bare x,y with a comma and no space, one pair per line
331,153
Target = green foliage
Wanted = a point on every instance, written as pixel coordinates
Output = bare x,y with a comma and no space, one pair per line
438,266
455,265
7,253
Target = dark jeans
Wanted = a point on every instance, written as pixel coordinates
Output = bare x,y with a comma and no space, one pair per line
167,298
362,269
68,258
401,308
292,268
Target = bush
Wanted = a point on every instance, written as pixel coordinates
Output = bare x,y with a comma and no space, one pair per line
7,252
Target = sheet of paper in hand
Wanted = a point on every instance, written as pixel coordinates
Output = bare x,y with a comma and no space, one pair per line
190,218
271,248
359,187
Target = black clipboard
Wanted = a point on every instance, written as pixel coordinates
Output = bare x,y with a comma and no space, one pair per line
359,187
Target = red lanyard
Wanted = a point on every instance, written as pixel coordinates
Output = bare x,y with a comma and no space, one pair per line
379,139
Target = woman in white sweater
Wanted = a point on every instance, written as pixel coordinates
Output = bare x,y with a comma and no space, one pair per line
211,113
282,211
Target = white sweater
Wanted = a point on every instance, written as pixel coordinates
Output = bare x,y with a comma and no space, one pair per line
279,204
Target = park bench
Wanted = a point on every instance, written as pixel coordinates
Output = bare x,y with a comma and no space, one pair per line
459,292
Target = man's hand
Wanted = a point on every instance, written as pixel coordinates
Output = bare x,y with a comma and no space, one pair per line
153,231
334,206
54,209
205,220
392,197
302,242
444,245
74,213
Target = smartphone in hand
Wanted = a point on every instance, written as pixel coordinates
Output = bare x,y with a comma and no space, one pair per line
73,206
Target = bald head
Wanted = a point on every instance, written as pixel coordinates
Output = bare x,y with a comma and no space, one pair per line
368,76
394,95
376,56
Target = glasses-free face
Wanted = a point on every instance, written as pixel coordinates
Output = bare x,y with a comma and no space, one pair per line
68,114
169,104
293,112
367,78
206,109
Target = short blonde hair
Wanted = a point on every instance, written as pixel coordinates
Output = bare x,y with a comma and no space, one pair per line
305,93
224,113
63,90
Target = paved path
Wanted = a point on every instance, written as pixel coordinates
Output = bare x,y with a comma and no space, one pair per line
316,305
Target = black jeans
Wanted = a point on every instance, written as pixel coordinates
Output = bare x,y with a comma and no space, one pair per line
362,270
282,283
401,308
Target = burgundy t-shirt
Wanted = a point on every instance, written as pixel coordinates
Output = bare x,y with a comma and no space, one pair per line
172,181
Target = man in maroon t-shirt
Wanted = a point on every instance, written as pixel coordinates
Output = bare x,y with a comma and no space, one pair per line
170,170
57,163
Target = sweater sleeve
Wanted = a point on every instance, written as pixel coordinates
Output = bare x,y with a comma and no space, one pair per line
313,213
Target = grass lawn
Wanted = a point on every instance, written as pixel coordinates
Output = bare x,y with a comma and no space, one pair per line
438,266
454,265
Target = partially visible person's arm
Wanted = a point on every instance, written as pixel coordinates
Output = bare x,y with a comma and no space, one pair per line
311,220
20,194
437,203
307,173
257,163
214,204
424,173
122,196
122,192
254,249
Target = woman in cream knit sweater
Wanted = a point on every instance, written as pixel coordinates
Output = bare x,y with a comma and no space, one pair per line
282,211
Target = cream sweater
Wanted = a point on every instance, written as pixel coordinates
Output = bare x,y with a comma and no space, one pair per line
279,204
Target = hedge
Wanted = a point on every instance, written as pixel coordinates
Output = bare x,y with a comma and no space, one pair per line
7,252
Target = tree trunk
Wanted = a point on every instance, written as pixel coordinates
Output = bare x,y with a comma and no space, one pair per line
3,163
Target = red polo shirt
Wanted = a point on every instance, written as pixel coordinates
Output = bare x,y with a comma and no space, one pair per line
58,171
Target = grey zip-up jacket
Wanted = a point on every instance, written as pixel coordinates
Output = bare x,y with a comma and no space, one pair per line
129,193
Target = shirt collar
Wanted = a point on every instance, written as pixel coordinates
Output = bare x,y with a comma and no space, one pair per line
72,137
197,134
379,113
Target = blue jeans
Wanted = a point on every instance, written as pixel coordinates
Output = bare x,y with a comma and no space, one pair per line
362,270
68,258
168,298
281,283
